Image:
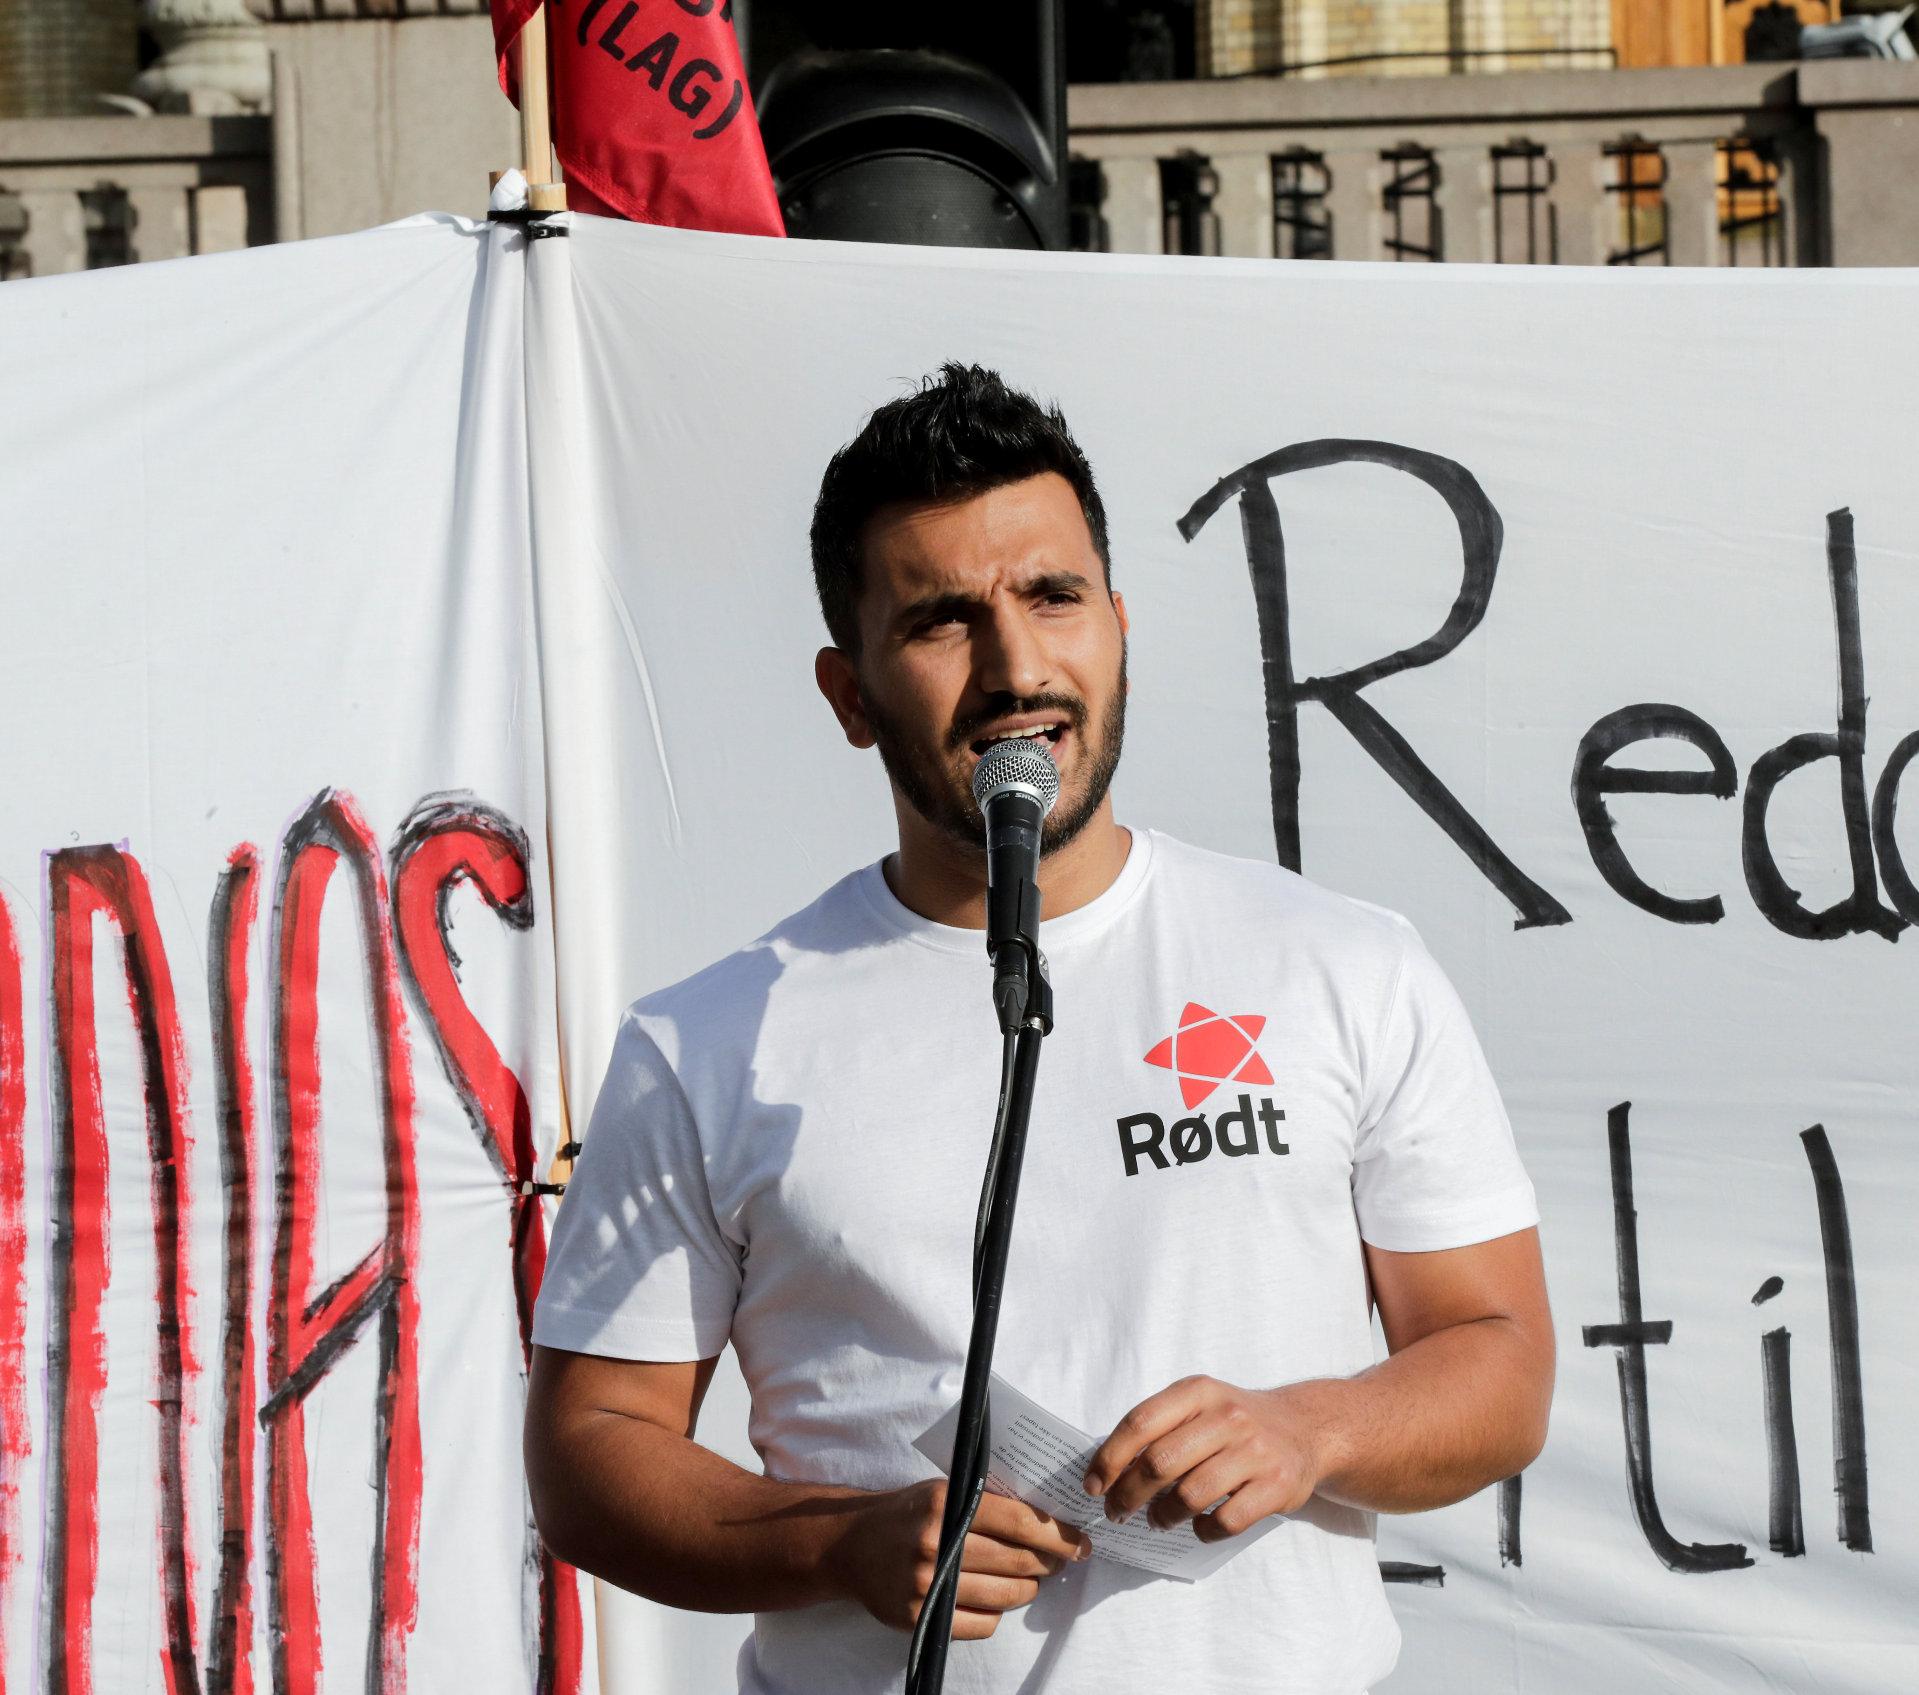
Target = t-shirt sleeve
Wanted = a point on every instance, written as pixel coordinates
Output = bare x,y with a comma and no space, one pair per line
1434,1164
639,1267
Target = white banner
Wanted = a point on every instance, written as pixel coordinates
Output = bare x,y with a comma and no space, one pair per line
1585,648
1543,529
275,978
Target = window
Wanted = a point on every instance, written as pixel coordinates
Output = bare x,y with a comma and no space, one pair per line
1130,40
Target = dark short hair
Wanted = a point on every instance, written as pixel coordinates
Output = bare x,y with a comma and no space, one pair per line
961,433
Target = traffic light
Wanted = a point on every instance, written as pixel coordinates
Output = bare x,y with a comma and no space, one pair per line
918,123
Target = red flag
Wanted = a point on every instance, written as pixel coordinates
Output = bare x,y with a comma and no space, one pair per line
652,118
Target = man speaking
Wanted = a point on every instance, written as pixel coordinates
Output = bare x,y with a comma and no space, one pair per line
1263,1112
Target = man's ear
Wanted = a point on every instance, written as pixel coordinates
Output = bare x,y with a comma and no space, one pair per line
1119,606
839,682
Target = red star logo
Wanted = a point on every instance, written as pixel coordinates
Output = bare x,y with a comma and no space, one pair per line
1209,1049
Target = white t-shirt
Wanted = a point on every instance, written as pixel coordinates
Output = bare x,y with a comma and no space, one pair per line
787,1155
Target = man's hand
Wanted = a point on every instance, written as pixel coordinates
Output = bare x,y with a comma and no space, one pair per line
1461,1403
885,1560
1221,1456
621,1489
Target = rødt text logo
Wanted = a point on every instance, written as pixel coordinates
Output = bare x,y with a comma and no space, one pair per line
1207,1049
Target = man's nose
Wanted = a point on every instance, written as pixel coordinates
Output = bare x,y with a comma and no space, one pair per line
1008,656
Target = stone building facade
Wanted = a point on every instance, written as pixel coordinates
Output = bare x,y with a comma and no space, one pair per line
54,55
1327,38
265,120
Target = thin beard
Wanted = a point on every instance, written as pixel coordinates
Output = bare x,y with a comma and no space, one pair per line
961,821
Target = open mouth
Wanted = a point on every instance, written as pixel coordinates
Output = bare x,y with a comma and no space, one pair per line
1047,736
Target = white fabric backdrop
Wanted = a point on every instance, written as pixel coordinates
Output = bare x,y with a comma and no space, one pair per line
1663,450
267,538
279,523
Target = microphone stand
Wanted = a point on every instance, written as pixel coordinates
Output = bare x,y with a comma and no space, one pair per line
1023,993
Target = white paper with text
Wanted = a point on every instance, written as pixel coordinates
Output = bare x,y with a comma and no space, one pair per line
1041,1459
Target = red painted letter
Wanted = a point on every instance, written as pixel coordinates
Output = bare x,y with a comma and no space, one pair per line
308,1329
447,840
14,1432
236,904
83,883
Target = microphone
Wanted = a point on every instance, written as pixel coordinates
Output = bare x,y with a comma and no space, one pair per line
1016,786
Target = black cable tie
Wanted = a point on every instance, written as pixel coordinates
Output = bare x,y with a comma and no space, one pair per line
532,222
528,1188
570,1150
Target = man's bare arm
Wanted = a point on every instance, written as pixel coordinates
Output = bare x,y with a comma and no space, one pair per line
614,1477
1461,1402
620,1489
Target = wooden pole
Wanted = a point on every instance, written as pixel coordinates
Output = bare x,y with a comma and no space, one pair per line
536,119
543,195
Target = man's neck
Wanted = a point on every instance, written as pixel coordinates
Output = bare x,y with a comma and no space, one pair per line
945,880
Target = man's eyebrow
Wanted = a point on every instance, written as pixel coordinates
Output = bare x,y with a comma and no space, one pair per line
1056,582
947,603
951,603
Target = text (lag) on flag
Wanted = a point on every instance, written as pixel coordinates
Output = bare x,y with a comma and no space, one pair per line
652,118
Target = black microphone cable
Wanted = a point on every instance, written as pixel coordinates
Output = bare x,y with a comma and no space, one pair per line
1016,785
946,1575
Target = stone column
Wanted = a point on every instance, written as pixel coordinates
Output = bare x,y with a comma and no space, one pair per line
213,58
1465,203
55,239
1852,186
1352,202
1800,200
1580,202
1135,219
160,223
1244,204
1692,203
219,218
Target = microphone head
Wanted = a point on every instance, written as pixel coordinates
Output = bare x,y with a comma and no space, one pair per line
1016,764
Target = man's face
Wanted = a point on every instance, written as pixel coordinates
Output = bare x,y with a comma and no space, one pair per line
980,619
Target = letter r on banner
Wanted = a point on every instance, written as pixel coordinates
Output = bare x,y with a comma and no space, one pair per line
1341,693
